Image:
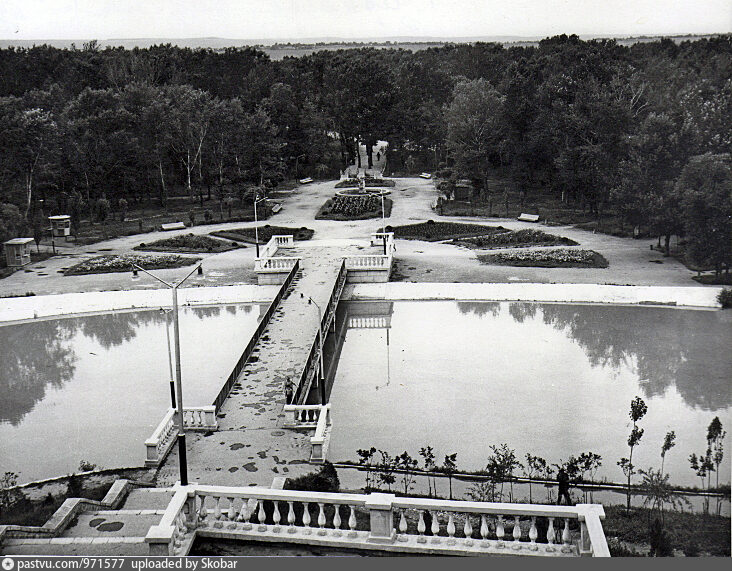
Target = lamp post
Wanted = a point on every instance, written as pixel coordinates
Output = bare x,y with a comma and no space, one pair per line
178,384
170,357
320,343
383,222
256,228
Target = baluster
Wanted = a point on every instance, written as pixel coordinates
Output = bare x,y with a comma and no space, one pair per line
550,533
451,528
217,512
276,516
468,530
435,528
321,519
306,517
262,516
484,529
352,522
516,529
244,514
232,512
290,518
533,534
565,536
337,520
421,528
202,513
500,532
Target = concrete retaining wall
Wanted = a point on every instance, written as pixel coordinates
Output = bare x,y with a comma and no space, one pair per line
34,307
569,293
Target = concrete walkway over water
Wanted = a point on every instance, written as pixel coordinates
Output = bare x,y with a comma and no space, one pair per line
251,447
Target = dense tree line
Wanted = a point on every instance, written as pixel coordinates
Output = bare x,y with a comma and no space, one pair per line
602,126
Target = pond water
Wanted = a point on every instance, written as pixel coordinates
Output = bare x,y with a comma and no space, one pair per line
552,380
95,387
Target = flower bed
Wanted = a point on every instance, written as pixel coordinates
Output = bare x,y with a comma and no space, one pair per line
370,182
353,208
431,231
124,263
265,233
558,258
516,239
188,243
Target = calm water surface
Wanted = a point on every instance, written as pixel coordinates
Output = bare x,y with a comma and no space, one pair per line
552,380
95,387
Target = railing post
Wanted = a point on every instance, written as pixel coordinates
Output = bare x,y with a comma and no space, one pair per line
381,518
592,537
159,539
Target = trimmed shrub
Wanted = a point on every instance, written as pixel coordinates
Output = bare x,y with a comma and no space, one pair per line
725,298
324,480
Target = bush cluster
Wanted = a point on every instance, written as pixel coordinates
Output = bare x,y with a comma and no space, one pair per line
324,480
725,298
527,237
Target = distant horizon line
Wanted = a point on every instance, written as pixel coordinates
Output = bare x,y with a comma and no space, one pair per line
375,39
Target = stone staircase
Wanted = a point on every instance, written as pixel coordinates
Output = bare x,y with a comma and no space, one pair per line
115,526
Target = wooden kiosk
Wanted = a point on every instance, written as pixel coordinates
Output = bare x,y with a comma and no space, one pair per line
18,251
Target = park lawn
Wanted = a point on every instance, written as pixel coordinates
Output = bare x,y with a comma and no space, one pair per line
265,233
557,258
515,239
124,263
432,231
188,243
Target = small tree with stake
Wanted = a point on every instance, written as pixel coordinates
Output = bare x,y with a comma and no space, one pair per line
428,457
405,462
449,467
638,410
668,444
534,466
364,459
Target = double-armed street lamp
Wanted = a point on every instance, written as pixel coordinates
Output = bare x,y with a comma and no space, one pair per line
177,402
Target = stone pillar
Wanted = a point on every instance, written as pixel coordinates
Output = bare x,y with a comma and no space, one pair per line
382,518
160,539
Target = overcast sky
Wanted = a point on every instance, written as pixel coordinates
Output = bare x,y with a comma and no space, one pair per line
280,19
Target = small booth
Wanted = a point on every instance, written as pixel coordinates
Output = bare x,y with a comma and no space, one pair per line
17,252
60,226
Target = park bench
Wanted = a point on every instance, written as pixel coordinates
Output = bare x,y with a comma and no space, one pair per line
276,207
528,217
306,180
425,175
173,226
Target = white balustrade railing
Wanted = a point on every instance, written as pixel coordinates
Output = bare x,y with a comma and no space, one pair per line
368,262
319,440
301,416
268,262
379,521
163,437
377,239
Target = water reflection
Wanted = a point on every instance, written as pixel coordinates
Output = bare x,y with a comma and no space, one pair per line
39,355
666,347
34,356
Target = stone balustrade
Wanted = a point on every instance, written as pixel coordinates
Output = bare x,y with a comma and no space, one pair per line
311,416
378,521
301,415
319,441
162,439
377,239
368,262
272,269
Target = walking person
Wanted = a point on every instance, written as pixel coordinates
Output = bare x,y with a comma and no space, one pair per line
289,391
563,481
